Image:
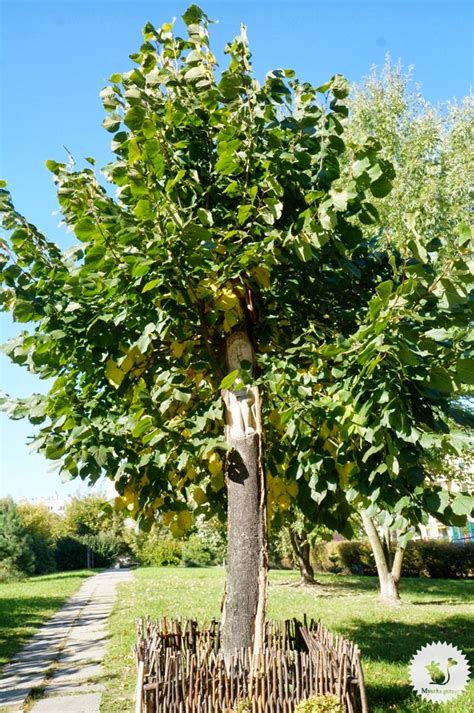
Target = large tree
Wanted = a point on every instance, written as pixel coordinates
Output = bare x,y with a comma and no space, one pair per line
222,318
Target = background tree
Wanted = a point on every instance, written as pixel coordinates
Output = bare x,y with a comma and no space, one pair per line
431,150
44,528
16,552
231,261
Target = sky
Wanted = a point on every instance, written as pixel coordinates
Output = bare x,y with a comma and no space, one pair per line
55,57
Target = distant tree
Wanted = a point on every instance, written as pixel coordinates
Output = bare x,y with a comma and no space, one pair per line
91,514
96,525
16,548
431,149
44,527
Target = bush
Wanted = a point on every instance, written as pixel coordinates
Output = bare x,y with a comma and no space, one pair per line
105,548
195,552
322,703
157,548
70,554
446,560
432,558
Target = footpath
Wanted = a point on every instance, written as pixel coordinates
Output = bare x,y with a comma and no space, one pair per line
62,664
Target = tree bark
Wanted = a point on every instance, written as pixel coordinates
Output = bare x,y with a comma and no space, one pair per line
302,552
389,576
243,621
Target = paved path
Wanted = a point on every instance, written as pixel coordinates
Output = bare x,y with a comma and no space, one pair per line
64,657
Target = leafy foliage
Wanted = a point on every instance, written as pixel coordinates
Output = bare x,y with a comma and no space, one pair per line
321,703
16,556
236,204
43,528
431,558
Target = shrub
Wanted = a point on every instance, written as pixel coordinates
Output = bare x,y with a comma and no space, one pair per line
432,558
70,554
446,560
196,552
157,548
321,703
105,547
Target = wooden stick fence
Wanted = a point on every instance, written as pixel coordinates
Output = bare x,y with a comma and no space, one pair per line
181,670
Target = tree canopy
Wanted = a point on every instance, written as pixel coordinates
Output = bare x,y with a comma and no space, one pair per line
237,203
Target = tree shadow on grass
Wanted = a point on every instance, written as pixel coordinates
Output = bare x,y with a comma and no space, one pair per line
19,616
396,642
412,589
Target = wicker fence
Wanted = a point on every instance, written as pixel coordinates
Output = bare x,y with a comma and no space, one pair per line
181,670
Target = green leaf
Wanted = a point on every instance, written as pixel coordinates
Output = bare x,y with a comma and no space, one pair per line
360,166
141,267
381,187
384,290
23,311
369,214
143,210
227,165
152,284
85,229
196,73
193,15
340,86
112,122
304,252
134,118
465,370
243,213
228,381
463,504
465,234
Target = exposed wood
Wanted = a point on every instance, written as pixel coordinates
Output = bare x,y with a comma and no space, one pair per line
246,581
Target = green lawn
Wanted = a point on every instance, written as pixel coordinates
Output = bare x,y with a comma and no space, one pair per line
25,605
433,610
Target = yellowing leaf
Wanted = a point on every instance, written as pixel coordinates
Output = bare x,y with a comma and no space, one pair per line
262,275
185,520
168,517
199,496
344,472
177,349
215,464
113,373
227,300
292,488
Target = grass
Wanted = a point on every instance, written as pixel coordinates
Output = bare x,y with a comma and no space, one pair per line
27,604
432,610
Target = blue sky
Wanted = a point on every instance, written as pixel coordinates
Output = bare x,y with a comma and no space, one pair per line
57,55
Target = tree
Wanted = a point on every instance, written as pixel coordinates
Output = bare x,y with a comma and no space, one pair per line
16,555
44,528
228,284
431,150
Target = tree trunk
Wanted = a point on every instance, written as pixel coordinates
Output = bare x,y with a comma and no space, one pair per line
243,618
302,552
389,577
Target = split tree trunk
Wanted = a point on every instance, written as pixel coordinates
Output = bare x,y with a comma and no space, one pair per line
388,570
302,552
243,620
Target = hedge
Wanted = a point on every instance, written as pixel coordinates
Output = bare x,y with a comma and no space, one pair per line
425,558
